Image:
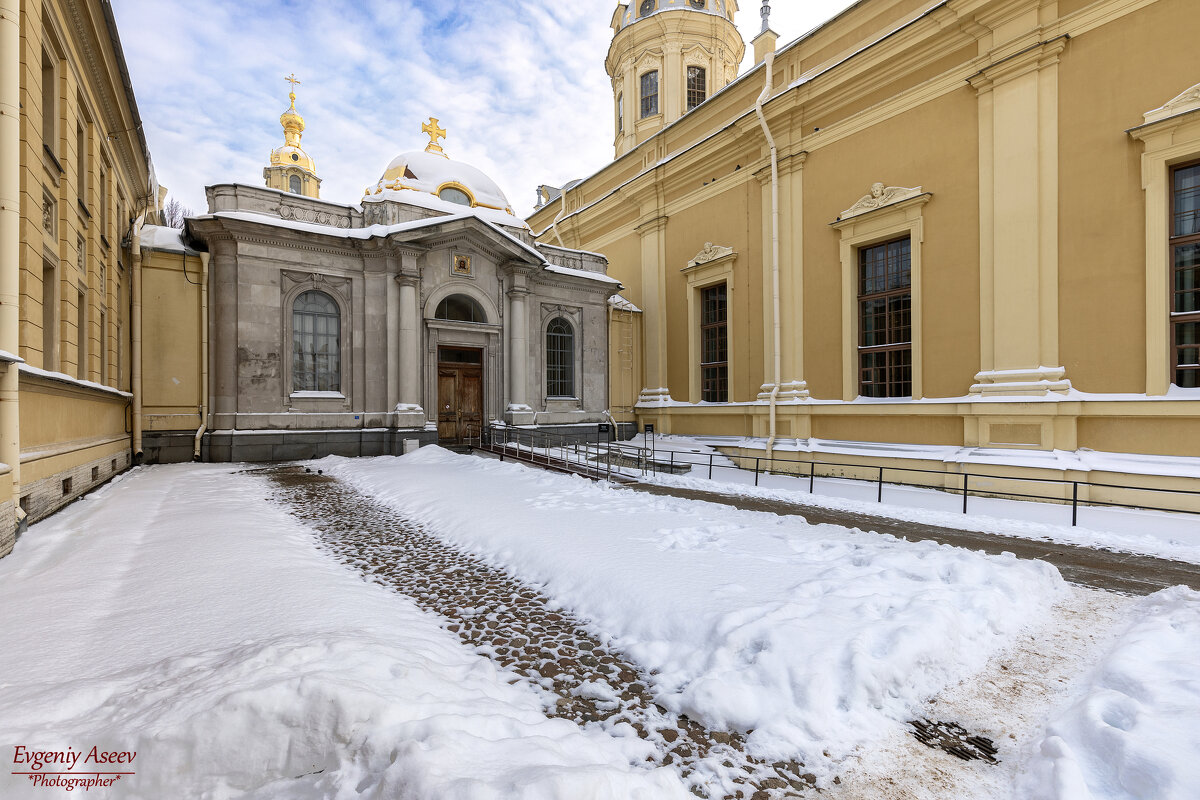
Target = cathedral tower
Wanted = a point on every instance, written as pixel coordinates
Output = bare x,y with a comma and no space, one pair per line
666,58
291,169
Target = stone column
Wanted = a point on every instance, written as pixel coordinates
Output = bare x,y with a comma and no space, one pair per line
409,413
518,411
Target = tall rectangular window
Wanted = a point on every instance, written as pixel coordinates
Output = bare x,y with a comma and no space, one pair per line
105,378
649,94
81,333
1185,266
103,201
885,320
714,344
49,316
620,113
697,86
49,103
81,164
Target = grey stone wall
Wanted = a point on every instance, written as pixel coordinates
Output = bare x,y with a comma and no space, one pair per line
8,527
255,446
44,497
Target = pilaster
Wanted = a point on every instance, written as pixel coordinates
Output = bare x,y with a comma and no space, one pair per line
1018,123
653,235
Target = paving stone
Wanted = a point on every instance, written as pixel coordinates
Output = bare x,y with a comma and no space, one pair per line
520,630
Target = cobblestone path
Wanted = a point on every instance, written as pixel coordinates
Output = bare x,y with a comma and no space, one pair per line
579,678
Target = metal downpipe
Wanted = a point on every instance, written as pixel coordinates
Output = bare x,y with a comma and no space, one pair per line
769,62
135,249
203,356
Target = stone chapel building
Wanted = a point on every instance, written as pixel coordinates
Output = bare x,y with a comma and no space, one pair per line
423,313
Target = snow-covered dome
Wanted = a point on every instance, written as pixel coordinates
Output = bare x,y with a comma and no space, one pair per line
444,177
636,10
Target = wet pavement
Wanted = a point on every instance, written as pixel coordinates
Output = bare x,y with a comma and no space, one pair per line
579,678
1102,569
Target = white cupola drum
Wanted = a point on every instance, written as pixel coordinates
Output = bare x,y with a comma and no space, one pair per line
666,58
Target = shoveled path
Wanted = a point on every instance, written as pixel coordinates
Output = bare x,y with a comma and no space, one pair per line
1103,569
515,626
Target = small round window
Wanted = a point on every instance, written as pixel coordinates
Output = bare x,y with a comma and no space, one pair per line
295,156
647,7
452,195
698,4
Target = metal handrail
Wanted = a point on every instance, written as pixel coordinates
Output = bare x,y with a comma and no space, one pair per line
650,461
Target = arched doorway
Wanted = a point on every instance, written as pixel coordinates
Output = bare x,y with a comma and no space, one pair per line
459,374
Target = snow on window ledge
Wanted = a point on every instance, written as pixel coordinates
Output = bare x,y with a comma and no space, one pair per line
317,396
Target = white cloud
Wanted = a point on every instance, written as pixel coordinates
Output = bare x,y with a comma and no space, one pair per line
520,87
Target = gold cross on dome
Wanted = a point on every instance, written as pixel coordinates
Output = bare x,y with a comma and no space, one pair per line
435,132
292,80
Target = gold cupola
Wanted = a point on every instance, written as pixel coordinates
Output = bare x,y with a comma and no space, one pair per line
291,169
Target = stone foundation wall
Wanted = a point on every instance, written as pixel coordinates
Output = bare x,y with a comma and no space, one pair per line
227,446
8,528
43,497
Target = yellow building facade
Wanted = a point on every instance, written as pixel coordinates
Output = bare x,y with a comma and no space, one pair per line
942,235
75,185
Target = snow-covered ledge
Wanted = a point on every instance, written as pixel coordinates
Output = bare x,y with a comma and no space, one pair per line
62,377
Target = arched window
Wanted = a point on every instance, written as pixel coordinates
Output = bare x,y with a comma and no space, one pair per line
560,358
460,308
453,195
697,86
316,344
649,94
294,185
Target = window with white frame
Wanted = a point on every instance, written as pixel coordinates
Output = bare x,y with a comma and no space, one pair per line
560,358
316,343
1185,269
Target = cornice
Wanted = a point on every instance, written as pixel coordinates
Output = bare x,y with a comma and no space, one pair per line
1032,57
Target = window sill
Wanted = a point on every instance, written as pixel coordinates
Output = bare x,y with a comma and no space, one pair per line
53,159
316,396
83,210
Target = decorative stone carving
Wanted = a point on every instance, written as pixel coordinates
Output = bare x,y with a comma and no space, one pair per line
49,217
879,197
315,216
710,252
329,283
1187,101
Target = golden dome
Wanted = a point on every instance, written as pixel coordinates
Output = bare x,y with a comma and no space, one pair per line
291,154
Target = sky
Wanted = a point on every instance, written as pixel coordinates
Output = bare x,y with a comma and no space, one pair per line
519,86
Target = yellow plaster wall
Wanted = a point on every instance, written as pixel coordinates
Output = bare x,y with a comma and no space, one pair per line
171,330
68,422
946,430
932,146
726,219
1106,83
1168,436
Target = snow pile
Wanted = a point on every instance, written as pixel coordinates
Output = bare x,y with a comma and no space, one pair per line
816,637
1133,733
1134,530
178,614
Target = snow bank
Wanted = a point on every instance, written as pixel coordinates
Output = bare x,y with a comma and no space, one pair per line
1157,533
1133,731
816,637
178,614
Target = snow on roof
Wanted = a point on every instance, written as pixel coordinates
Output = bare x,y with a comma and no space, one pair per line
64,378
161,237
430,172
422,199
621,304
580,273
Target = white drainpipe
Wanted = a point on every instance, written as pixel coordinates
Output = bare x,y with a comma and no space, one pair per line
762,120
203,355
135,250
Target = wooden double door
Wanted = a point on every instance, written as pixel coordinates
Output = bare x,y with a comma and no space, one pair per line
460,393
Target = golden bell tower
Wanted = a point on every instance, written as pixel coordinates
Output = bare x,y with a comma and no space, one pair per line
291,169
666,58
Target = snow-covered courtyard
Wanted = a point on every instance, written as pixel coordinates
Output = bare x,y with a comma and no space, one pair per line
209,619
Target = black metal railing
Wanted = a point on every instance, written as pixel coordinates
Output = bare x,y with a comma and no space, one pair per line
596,456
